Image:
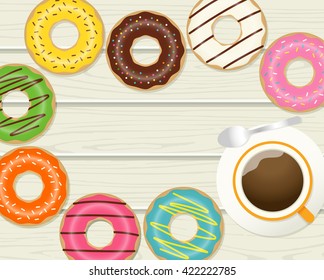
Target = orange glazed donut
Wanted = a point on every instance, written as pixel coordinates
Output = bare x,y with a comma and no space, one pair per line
53,175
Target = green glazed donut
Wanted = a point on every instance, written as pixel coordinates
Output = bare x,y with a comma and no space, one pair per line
41,103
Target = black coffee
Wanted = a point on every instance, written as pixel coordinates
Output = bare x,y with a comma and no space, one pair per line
273,183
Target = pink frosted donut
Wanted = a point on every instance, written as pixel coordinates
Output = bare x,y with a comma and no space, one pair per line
85,211
273,72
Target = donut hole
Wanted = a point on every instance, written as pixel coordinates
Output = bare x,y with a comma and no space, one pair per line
64,34
300,72
28,186
100,233
15,104
183,227
226,30
145,50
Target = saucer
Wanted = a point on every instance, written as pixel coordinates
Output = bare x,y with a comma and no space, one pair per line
230,157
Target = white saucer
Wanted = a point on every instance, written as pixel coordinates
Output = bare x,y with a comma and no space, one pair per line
256,225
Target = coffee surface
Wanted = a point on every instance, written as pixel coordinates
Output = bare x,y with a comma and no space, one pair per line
273,184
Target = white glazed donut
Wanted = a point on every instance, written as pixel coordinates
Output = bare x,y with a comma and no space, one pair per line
205,46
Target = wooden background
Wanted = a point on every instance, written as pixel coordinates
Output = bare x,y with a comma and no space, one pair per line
135,145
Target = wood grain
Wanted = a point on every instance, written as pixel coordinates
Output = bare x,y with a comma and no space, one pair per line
138,181
196,83
162,129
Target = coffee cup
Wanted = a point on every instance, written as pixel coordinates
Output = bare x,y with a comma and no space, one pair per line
272,181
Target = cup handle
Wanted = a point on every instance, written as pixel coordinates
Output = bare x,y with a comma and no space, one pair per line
306,214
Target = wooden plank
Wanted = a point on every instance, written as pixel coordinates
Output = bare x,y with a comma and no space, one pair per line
158,129
137,181
43,242
282,16
196,82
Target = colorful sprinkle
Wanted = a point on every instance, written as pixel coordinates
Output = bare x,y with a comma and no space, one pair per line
272,74
171,54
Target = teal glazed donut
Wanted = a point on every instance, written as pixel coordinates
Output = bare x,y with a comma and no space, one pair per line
41,103
188,201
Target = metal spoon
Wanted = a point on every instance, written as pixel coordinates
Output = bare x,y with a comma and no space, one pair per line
237,136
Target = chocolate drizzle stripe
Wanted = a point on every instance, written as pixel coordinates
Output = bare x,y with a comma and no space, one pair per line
99,215
129,233
73,232
99,201
202,8
16,80
12,72
250,15
22,128
215,16
43,99
234,45
203,42
31,84
99,251
250,52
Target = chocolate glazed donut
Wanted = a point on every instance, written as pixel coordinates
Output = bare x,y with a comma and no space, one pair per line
135,26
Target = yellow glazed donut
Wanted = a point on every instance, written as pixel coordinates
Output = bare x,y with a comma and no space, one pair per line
39,42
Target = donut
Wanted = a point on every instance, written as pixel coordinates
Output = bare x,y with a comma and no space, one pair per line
273,72
41,103
53,176
41,47
183,201
89,209
226,56
156,26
